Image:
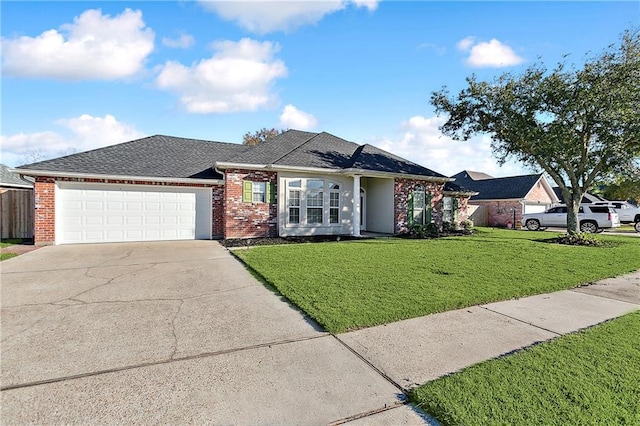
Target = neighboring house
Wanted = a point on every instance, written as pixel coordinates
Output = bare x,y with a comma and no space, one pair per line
503,201
16,205
296,184
586,197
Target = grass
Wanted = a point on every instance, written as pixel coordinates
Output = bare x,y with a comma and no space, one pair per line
350,285
5,256
587,378
10,242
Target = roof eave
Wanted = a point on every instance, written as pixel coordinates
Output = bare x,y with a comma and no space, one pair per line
59,174
375,173
460,193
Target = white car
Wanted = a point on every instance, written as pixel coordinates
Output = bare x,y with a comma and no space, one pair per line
591,218
628,212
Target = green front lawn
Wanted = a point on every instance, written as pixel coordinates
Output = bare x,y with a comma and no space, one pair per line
355,284
588,378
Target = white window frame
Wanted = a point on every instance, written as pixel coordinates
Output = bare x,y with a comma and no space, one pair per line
259,189
329,186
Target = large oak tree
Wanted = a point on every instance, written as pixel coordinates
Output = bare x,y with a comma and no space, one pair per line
576,124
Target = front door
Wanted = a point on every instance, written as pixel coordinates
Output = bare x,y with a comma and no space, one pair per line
363,210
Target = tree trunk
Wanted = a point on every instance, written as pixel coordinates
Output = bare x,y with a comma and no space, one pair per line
573,205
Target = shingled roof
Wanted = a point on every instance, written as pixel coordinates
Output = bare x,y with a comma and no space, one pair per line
505,188
153,156
9,179
172,157
326,151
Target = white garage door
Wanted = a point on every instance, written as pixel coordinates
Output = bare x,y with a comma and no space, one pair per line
94,213
534,208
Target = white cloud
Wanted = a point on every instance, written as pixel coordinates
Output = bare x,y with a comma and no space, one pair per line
293,118
238,77
184,41
81,134
492,54
465,43
371,5
95,46
422,142
264,16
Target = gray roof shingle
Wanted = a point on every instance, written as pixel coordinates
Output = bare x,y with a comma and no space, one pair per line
512,187
7,178
153,156
172,157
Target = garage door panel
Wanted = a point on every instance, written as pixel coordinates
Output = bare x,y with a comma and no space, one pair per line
101,214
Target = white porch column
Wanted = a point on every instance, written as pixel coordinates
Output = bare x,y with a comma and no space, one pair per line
356,206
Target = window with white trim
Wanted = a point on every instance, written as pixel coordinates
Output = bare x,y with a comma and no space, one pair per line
447,209
313,202
258,192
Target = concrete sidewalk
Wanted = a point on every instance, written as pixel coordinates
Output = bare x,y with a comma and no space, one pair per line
419,350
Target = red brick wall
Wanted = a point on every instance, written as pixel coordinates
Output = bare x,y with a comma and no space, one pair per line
402,188
463,208
44,191
218,211
500,213
248,220
45,215
538,193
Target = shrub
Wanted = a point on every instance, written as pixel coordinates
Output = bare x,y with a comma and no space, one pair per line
429,230
466,224
578,239
448,227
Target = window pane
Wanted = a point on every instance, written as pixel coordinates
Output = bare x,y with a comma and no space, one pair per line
334,215
314,216
315,184
314,199
258,192
333,185
448,203
294,198
334,199
295,184
418,199
294,215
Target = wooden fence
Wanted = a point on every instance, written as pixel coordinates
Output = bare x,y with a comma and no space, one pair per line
17,211
480,215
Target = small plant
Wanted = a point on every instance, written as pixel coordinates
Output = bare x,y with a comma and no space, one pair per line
578,239
429,230
466,224
449,227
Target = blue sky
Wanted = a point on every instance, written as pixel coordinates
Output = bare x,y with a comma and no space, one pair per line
81,75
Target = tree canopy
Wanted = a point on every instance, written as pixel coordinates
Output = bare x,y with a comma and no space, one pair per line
260,136
576,124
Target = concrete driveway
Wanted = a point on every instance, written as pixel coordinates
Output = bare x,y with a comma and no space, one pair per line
172,332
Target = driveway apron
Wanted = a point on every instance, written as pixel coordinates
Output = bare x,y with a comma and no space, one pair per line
167,332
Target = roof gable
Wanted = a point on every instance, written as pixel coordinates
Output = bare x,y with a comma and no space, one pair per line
505,188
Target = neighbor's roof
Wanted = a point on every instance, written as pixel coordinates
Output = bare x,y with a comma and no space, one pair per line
586,197
505,188
473,175
7,178
172,157
153,156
